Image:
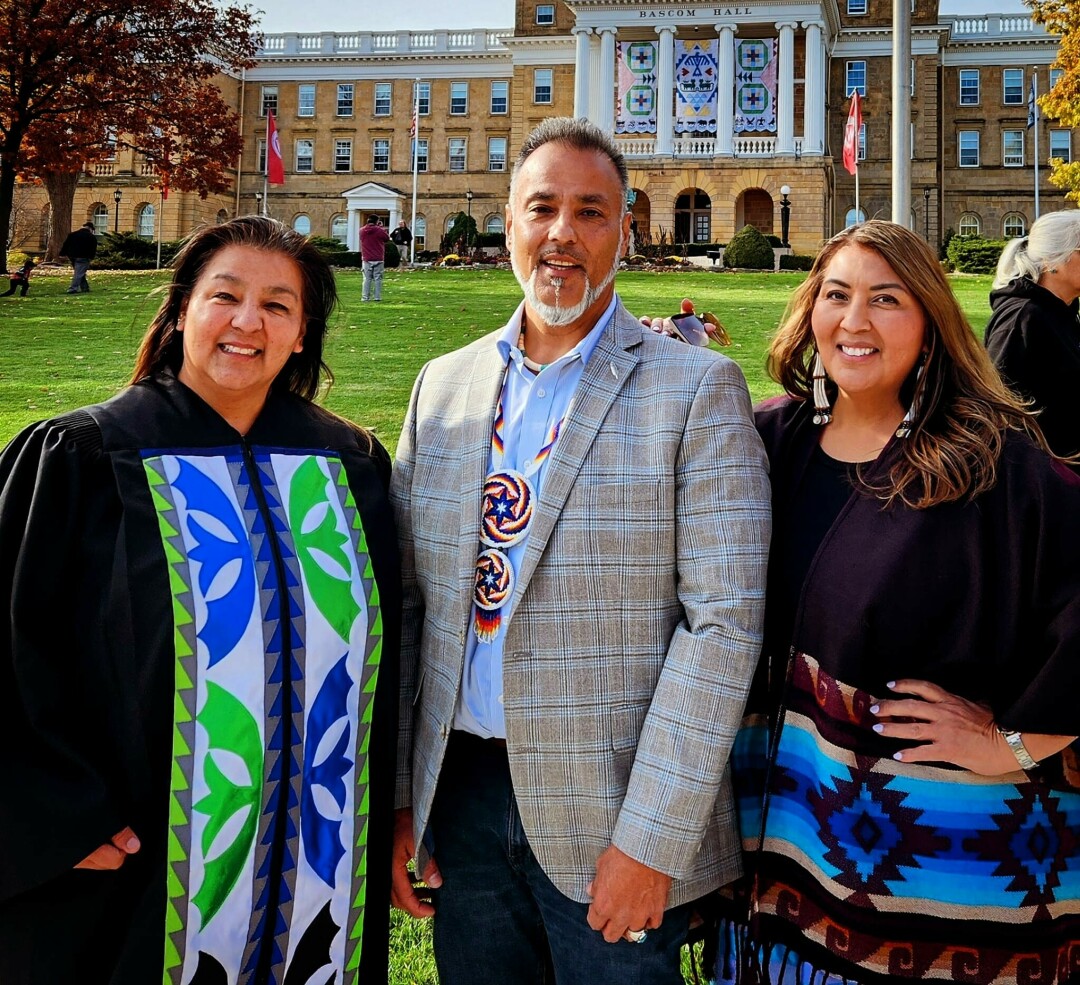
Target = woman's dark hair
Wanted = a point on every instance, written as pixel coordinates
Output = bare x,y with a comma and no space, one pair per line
163,346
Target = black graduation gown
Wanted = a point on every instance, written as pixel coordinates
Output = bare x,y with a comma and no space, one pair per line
186,603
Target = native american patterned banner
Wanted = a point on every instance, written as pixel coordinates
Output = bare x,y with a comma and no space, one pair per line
637,87
696,73
755,86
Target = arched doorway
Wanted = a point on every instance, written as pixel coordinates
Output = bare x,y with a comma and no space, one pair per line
693,217
755,208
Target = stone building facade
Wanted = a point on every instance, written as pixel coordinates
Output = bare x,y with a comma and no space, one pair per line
344,106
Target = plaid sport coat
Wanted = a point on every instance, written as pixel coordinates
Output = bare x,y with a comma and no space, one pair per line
635,623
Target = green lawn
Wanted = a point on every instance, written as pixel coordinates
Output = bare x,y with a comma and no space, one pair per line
58,352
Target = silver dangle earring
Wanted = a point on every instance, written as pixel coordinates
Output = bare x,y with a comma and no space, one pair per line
822,410
907,425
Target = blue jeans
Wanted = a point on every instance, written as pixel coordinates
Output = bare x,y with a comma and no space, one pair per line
373,271
498,918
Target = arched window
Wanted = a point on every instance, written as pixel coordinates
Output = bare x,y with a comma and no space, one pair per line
100,217
419,233
222,216
302,224
145,221
339,229
1014,225
494,224
970,224
853,217
450,221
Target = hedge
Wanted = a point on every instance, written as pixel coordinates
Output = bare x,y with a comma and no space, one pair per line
796,261
973,254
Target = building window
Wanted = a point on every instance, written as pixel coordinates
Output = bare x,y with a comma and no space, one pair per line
912,76
542,85
856,79
969,87
1055,74
1012,144
302,224
496,153
345,99
969,224
110,143
144,221
1061,145
856,7
380,155
342,155
1013,87
261,154
305,156
339,229
854,216
419,232
457,149
1014,225
421,155
969,148
459,98
306,101
545,13
862,141
269,101
494,225
100,219
423,98
500,98
383,94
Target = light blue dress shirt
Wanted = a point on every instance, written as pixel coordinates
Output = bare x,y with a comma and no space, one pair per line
532,402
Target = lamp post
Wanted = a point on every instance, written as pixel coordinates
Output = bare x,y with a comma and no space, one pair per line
116,196
468,228
785,215
926,211
258,203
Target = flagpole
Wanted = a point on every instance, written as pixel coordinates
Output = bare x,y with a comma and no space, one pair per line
858,211
415,167
1035,114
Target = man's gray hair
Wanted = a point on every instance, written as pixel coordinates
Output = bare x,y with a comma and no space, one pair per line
580,134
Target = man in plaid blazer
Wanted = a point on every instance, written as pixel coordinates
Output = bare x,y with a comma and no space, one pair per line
583,510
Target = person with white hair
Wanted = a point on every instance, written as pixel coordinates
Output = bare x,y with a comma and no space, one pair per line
1033,335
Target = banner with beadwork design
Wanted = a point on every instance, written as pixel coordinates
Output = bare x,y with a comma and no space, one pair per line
697,68
755,86
637,87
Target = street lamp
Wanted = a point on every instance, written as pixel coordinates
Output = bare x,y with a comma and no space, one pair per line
116,196
785,215
468,228
926,211
258,203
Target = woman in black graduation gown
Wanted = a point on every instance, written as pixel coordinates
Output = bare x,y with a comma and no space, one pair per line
199,667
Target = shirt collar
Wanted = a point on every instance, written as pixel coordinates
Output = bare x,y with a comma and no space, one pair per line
507,341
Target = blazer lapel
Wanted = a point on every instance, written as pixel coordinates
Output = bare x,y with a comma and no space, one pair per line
609,367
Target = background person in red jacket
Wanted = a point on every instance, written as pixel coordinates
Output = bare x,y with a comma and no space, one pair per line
373,240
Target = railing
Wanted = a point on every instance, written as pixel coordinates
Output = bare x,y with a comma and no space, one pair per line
383,42
102,170
695,147
703,147
993,25
755,146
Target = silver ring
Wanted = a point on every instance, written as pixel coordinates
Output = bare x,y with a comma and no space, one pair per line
636,936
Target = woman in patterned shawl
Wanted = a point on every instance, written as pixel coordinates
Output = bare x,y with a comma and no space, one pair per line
908,786
199,666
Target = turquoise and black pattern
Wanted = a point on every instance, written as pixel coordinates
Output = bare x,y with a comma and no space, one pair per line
277,636
966,877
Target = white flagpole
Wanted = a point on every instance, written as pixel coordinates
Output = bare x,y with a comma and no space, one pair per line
415,166
858,211
1035,113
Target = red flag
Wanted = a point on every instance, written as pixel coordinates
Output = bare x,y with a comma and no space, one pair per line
275,164
851,134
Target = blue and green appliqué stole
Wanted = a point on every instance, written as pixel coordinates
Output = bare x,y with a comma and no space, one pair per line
904,870
277,640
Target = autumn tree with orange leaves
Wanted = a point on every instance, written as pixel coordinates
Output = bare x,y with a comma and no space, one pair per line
1062,103
73,75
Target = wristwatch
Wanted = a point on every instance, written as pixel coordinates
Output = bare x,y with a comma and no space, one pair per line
1016,744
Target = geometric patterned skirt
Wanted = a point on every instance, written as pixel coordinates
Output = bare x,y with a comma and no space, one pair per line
872,870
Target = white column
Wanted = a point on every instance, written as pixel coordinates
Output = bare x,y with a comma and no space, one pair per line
665,91
606,104
901,113
785,96
725,92
581,70
353,238
814,99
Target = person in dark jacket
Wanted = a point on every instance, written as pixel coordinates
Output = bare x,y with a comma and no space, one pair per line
80,248
20,279
1033,335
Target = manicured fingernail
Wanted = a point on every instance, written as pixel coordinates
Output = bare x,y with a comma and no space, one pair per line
879,727
132,845
899,756
875,709
891,685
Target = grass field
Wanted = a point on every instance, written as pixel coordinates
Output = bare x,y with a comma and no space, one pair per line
58,352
